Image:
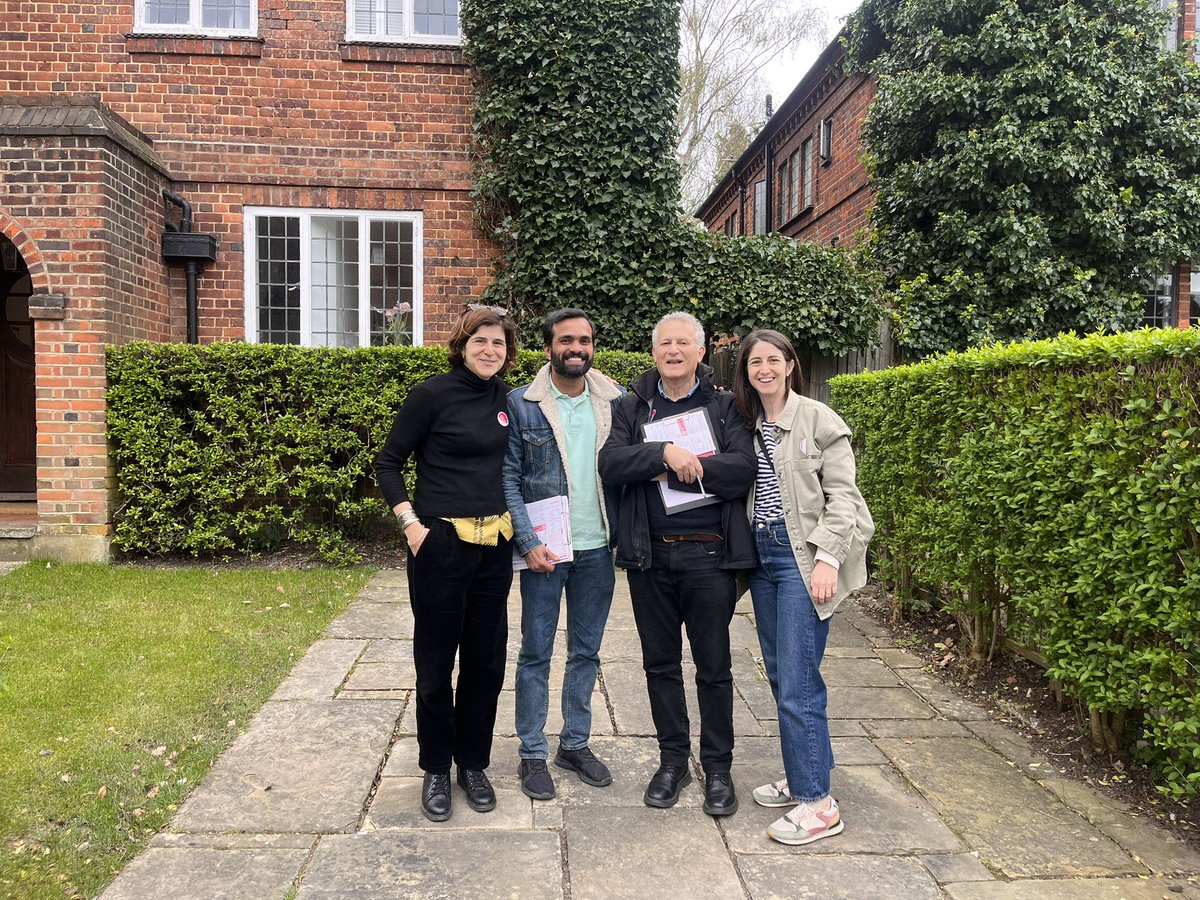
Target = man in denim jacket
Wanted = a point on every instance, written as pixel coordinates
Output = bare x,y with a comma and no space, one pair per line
558,424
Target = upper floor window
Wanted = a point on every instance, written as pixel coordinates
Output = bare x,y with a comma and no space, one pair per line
1160,302
806,174
333,278
760,207
219,18
731,224
403,21
825,150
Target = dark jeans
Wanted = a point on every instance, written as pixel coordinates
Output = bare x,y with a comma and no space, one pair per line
684,587
459,595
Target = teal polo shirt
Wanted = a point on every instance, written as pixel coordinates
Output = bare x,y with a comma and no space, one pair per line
579,426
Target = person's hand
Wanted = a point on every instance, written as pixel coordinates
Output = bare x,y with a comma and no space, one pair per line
541,559
684,463
415,534
824,582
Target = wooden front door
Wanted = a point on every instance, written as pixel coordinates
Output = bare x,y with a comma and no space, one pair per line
18,429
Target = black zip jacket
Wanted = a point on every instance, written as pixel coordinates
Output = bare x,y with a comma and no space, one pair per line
627,463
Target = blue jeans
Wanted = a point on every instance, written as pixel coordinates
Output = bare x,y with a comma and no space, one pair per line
588,582
792,637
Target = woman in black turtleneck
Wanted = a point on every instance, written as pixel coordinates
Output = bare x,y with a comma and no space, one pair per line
459,552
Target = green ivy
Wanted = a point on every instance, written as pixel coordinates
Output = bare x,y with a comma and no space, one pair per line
232,448
1029,159
579,185
1054,487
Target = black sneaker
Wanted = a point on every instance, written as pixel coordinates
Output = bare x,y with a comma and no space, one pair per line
435,796
535,779
583,762
480,796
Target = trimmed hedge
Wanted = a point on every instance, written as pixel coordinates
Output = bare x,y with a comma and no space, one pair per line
1053,488
232,448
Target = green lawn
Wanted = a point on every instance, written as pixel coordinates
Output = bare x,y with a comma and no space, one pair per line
118,688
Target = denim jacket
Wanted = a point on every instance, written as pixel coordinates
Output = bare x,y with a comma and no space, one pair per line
533,463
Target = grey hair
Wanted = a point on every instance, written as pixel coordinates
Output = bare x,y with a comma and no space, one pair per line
686,318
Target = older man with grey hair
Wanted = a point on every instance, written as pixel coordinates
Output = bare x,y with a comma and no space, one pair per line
681,557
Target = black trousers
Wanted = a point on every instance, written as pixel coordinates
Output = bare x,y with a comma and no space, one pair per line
684,588
459,595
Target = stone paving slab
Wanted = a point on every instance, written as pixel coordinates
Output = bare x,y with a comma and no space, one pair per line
859,672
1160,851
900,659
1089,889
876,703
626,685
234,841
207,874
915,728
386,586
942,698
383,676
436,865
403,696
619,852
303,766
883,815
751,683
984,796
805,875
320,671
949,868
397,804
373,620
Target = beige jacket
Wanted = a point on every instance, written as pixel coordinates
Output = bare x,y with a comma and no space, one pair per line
822,506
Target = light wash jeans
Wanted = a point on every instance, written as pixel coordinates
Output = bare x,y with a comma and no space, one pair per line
792,637
588,583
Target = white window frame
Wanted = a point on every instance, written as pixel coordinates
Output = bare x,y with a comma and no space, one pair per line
826,141
306,215
806,174
193,26
408,37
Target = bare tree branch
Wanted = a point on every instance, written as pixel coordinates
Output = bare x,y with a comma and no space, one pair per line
723,46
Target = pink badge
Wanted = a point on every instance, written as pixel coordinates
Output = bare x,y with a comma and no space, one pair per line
502,418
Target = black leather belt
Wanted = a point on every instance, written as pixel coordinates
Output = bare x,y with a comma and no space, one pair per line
673,538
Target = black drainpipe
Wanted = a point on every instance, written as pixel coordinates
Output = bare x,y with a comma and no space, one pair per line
180,245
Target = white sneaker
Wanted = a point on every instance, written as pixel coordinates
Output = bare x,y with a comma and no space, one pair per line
806,823
774,794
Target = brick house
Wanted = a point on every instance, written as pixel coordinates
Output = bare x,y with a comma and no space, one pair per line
323,151
803,176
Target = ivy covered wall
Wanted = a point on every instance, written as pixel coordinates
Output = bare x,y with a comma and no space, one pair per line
579,185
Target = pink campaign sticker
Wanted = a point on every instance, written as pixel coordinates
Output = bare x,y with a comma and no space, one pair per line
502,418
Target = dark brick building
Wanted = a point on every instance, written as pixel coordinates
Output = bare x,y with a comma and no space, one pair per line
324,145
803,176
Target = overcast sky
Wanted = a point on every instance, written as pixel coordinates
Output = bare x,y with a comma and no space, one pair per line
784,75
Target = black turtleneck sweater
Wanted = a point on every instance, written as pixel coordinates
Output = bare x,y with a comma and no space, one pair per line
457,426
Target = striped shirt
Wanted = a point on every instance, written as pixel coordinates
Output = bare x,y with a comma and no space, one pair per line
768,502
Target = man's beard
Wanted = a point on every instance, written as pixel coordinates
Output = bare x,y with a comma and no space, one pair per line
576,367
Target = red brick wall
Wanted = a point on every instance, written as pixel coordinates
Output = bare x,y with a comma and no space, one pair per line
293,117
81,211
841,195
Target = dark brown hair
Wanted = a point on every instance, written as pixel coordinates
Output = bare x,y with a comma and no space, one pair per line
748,402
471,321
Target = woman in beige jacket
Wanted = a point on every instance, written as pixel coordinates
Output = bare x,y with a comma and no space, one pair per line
811,527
